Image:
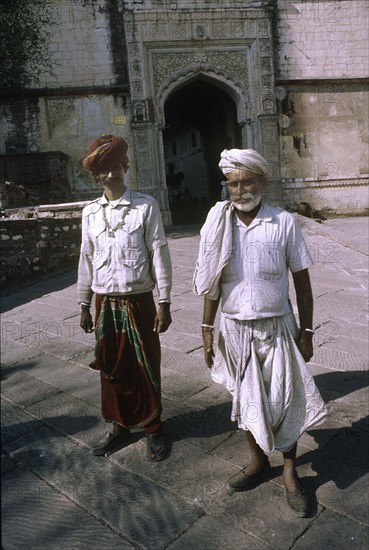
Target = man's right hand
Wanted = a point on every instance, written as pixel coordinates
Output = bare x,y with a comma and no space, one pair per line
86,320
208,342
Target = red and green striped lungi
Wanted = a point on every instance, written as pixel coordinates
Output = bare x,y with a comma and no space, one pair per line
128,357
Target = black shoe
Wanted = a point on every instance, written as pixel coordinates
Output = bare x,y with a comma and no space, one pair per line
243,482
111,443
157,447
299,502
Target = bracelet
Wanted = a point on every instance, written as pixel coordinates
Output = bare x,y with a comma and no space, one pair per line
84,304
165,301
309,330
207,326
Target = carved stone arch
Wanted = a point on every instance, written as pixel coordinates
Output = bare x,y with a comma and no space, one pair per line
214,77
191,141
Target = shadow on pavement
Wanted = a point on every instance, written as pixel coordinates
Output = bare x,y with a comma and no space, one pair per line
343,461
7,370
22,293
337,383
199,424
342,457
79,424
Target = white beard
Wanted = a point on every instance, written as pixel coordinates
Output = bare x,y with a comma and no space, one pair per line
247,203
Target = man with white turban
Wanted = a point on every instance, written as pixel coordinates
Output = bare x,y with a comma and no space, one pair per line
233,159
247,249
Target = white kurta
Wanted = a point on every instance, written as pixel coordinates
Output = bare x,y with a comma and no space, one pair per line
273,393
274,396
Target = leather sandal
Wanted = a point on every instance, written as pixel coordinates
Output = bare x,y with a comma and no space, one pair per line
112,443
156,447
244,482
299,502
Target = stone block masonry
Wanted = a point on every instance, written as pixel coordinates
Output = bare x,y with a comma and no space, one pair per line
80,46
317,39
37,240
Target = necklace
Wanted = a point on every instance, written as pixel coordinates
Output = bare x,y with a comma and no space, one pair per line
111,230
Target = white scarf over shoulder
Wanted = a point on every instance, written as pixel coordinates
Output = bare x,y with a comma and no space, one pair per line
215,248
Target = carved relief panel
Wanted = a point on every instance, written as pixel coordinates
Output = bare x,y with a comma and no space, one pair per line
233,48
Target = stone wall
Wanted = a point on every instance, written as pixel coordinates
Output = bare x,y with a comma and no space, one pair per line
37,240
86,96
322,65
116,62
321,39
80,50
66,124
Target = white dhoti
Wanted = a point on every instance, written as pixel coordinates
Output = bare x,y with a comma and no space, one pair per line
274,396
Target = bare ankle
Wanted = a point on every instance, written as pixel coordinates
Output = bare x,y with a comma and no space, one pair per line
256,465
290,480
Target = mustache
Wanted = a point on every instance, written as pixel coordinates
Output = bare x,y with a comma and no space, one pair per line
112,179
244,196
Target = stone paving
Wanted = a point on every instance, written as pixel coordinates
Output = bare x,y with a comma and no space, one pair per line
57,495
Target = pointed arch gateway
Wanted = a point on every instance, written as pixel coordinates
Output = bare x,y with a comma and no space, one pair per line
201,117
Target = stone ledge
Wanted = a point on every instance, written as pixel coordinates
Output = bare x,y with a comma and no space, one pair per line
44,211
305,183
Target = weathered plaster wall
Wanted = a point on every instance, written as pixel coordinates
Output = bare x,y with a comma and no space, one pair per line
80,46
191,5
344,198
87,52
321,51
322,39
71,124
20,130
66,124
324,131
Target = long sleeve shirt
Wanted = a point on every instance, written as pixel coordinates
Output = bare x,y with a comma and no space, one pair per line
124,248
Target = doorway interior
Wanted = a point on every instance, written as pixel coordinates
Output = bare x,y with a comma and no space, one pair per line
200,121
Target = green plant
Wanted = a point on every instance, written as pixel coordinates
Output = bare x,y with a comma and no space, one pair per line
26,27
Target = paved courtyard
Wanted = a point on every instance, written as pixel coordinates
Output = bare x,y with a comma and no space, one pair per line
56,495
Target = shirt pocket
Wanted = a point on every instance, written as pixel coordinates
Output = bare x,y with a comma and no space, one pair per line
132,237
99,245
132,249
271,264
100,266
269,296
132,253
131,269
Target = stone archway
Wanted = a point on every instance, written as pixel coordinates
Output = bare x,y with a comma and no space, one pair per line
229,49
200,121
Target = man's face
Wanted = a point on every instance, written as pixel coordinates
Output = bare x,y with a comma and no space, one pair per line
245,189
114,176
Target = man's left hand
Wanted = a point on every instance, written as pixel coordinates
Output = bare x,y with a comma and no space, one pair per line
305,345
163,318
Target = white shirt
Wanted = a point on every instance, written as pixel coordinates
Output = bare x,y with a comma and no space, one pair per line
254,284
131,258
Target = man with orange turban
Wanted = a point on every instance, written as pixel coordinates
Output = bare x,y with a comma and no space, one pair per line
124,254
104,152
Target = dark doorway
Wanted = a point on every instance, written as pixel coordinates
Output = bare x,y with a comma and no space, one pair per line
200,121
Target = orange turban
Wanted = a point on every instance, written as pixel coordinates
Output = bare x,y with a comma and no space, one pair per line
105,152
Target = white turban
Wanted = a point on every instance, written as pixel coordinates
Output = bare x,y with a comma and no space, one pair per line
232,160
